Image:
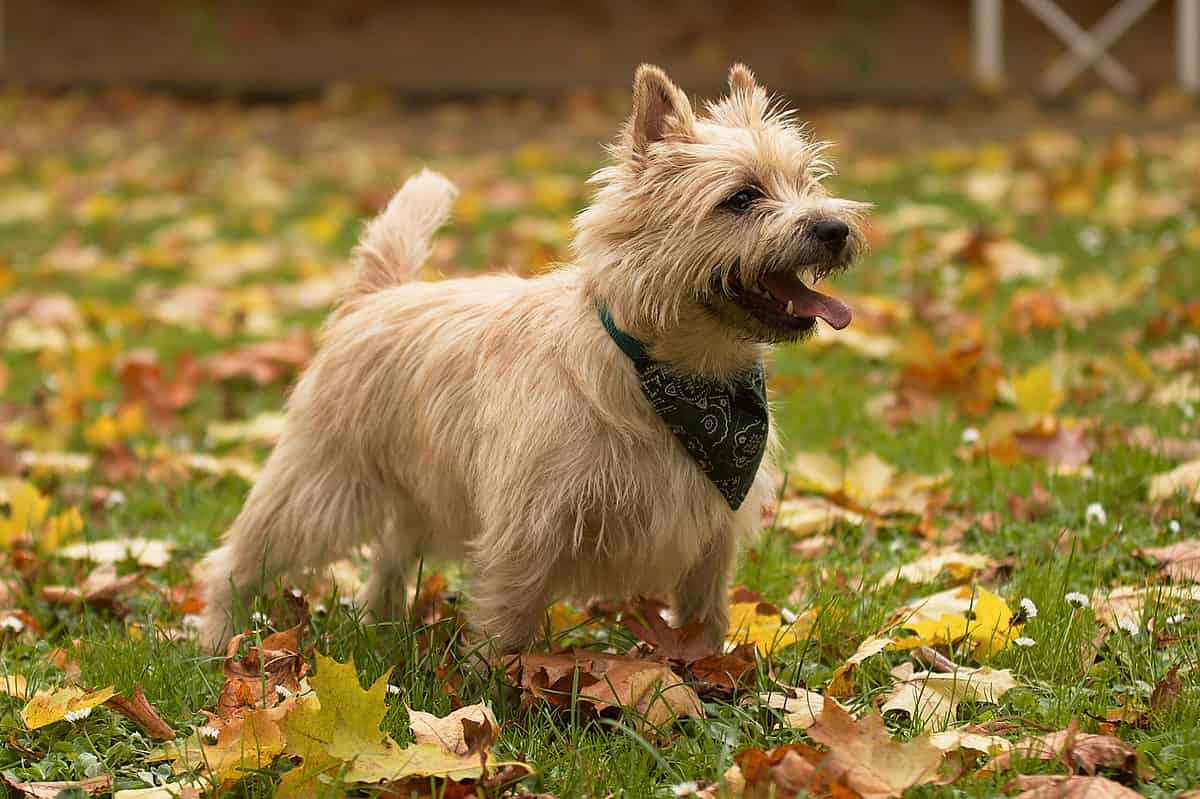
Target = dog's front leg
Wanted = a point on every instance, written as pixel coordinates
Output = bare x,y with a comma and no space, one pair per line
702,593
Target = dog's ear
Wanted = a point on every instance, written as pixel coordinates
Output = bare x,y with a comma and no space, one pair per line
658,106
741,80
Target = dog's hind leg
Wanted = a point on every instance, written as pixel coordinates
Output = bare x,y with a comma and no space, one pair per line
302,509
399,545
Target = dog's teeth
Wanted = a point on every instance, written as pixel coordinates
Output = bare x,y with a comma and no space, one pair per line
790,309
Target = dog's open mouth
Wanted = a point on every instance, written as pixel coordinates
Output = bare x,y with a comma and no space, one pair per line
783,300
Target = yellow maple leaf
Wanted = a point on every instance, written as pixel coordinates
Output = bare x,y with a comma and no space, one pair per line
754,623
27,511
1037,392
959,614
47,707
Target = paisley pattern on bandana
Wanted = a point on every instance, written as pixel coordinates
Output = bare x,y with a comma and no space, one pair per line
723,427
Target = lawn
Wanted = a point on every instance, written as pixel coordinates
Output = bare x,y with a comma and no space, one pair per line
1023,364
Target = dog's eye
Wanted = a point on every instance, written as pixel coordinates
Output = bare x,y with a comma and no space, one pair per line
742,200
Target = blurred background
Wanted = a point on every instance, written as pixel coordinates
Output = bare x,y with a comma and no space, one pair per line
886,50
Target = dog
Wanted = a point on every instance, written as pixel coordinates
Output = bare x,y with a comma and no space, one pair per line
601,429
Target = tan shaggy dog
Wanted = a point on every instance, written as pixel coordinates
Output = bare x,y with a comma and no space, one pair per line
496,418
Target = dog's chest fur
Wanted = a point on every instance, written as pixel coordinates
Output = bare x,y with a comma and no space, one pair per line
517,423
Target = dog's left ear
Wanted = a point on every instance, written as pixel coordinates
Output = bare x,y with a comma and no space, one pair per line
658,107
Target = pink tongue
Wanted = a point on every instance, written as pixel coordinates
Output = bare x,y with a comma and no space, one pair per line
805,301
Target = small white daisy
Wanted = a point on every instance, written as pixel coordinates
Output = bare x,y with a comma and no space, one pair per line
685,788
1174,526
1078,600
394,690
191,620
1129,626
346,601
788,616
259,618
283,691
970,436
1177,618
114,498
1028,608
1024,641
1095,514
209,733
319,609
77,715
12,624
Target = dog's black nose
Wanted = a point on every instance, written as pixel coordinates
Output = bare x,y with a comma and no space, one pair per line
832,233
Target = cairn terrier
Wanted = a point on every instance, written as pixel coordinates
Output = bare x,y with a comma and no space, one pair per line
601,429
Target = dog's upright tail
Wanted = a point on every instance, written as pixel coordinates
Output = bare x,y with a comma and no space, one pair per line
396,242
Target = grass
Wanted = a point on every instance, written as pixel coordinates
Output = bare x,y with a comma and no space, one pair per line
145,195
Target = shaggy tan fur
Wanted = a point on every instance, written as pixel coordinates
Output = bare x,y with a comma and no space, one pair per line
493,418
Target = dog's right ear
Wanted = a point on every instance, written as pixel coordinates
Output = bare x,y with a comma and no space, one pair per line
741,80
659,106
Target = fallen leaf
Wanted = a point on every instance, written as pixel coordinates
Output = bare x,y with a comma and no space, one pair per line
1183,479
267,674
141,377
864,758
244,743
654,693
26,511
841,684
101,588
800,707
1037,392
673,643
1125,606
171,790
265,428
932,698
465,731
152,553
1083,751
961,567
137,709
808,515
1179,561
966,613
93,786
972,738
1049,786
724,674
762,624
49,706
263,363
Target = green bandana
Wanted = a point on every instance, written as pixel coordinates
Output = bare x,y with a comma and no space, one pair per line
723,428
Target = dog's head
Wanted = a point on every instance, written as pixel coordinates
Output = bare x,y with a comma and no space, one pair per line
722,211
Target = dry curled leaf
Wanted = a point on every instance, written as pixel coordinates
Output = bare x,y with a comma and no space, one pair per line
468,730
1049,786
932,698
138,709
102,588
654,693
93,786
1081,751
683,644
267,674
1179,561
